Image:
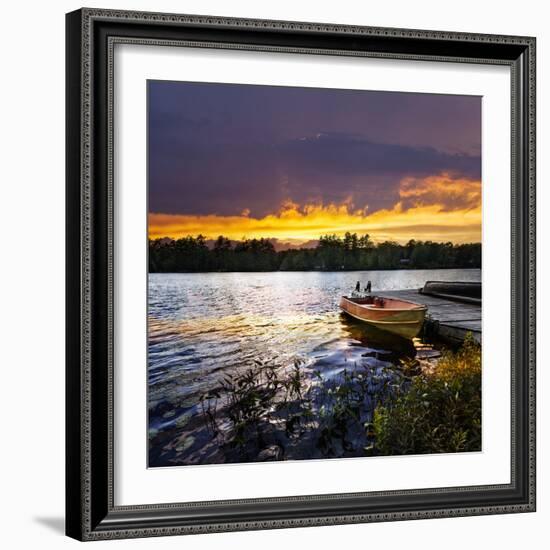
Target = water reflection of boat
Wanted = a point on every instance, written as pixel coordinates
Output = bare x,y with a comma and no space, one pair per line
369,336
399,317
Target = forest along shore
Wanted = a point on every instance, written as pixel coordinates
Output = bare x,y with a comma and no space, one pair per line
331,253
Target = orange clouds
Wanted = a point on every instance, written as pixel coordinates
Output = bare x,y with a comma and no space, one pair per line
444,190
437,208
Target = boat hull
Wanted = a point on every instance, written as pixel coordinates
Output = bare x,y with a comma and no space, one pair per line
398,317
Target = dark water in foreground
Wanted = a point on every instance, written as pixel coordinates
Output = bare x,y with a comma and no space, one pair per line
203,327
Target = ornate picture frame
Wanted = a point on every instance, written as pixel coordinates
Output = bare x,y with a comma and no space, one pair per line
91,335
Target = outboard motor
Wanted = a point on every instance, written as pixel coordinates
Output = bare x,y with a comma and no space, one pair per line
358,287
368,287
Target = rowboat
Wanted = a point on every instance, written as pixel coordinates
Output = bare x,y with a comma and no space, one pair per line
399,317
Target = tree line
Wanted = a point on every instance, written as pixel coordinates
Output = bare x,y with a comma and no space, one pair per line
332,253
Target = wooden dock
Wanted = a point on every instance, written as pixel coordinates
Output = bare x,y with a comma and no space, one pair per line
448,319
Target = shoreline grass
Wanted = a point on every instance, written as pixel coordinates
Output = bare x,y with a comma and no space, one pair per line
439,413
270,414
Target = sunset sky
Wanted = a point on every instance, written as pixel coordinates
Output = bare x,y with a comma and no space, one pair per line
295,163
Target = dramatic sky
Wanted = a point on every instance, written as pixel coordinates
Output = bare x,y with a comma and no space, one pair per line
295,163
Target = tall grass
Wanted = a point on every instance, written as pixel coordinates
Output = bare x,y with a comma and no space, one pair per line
439,413
364,411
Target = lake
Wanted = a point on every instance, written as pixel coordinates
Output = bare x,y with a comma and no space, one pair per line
206,327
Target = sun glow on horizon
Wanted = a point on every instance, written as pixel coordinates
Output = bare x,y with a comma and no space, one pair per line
437,208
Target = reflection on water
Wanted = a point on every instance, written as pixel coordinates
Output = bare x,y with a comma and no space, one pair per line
204,326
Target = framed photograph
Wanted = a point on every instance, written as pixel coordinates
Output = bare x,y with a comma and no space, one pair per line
300,274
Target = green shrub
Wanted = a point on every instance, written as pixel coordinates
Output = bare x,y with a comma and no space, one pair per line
440,412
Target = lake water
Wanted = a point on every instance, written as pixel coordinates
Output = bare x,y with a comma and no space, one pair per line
203,326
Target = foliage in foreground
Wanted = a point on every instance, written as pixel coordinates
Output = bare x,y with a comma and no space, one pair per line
364,411
441,411
300,415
